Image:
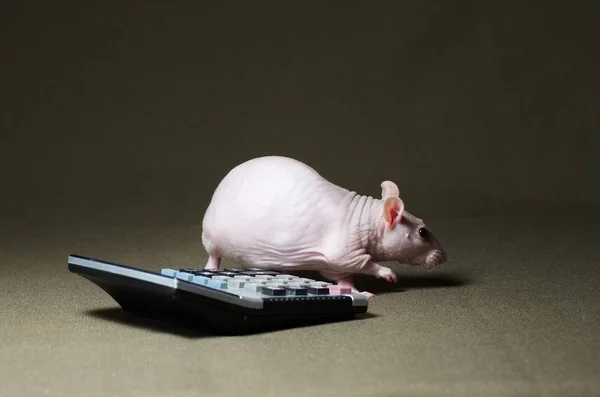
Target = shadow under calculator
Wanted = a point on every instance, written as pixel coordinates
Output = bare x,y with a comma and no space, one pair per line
197,327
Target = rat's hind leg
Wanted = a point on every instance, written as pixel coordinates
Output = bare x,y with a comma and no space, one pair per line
214,259
213,262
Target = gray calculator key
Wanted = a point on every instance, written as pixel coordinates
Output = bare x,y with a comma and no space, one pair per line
257,281
302,281
285,276
275,285
235,283
260,281
305,280
263,276
296,291
221,278
273,291
253,287
318,290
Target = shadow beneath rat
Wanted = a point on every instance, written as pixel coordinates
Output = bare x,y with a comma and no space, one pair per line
378,287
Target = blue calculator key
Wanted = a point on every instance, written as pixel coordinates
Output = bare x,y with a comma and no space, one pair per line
184,276
217,284
168,272
200,280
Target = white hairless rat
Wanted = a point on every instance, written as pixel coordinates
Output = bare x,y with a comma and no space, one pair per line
278,213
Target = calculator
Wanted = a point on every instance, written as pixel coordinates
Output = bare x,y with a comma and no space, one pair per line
227,301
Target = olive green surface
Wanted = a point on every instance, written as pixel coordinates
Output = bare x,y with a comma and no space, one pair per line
513,313
118,120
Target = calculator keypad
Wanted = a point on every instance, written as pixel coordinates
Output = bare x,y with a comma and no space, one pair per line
257,282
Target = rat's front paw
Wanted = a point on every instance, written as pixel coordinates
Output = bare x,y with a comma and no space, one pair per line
369,295
387,274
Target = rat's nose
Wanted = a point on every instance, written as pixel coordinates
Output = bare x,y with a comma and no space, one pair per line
437,257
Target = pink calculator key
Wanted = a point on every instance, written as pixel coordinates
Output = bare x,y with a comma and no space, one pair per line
336,290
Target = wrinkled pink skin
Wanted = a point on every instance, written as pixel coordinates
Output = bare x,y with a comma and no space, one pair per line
277,213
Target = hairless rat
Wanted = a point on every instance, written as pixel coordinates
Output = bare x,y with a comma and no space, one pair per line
277,213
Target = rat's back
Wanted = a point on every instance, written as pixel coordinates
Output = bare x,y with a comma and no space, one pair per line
270,207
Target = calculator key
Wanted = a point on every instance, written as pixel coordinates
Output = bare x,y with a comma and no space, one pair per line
235,283
264,276
273,291
197,272
221,278
338,290
318,290
285,277
257,281
253,287
305,280
216,284
168,272
278,281
296,291
319,284
275,285
184,276
200,280
245,278
302,281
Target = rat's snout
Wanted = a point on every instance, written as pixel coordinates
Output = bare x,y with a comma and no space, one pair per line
435,258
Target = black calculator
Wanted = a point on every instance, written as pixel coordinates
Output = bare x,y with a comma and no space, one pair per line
227,301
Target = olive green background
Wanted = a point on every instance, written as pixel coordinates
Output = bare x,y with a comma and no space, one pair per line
118,119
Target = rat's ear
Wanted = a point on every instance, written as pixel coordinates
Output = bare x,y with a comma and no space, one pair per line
389,189
393,209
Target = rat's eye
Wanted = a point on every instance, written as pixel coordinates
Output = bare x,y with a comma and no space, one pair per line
424,233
